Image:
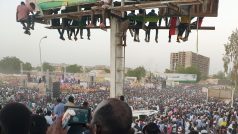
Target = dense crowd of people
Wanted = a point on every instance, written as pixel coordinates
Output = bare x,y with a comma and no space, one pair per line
181,109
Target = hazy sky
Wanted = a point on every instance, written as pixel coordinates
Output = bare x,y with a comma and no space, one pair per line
155,57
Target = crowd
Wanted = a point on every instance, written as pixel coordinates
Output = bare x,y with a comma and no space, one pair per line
181,109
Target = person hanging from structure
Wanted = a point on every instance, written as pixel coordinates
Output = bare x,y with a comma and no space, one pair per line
32,6
105,4
124,27
187,30
153,24
139,24
131,17
184,25
165,20
66,24
56,23
77,24
162,14
173,24
199,20
23,16
83,23
75,28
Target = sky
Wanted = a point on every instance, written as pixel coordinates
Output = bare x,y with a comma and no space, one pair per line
153,56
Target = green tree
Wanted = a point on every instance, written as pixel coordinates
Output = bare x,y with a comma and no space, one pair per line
194,70
107,70
87,69
74,69
138,72
27,66
189,70
10,65
168,71
219,75
47,66
230,58
37,68
180,69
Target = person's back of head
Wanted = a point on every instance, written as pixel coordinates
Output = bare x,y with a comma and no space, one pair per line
38,125
22,3
85,104
58,100
71,99
122,98
48,112
141,11
33,6
151,128
112,116
15,118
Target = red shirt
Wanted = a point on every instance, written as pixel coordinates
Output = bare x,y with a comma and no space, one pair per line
22,12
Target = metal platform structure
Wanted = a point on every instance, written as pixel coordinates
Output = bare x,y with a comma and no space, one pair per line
167,8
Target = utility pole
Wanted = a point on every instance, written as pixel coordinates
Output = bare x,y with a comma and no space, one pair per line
23,81
41,64
117,59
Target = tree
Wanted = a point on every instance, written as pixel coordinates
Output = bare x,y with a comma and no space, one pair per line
74,69
230,58
180,69
87,69
107,70
27,66
189,70
47,66
219,75
138,72
10,65
168,71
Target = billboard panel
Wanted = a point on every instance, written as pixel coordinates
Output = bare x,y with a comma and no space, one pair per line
181,77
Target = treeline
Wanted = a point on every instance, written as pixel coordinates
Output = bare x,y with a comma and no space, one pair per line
12,65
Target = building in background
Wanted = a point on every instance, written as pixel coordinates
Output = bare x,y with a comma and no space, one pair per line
188,59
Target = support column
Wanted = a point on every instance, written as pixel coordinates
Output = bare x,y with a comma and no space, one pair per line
116,59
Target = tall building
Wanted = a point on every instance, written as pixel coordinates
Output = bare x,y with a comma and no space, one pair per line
188,59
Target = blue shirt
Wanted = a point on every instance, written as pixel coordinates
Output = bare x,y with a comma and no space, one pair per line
59,109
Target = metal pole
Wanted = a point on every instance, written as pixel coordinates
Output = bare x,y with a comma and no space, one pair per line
40,54
21,65
116,60
207,95
232,97
122,4
233,92
197,34
64,71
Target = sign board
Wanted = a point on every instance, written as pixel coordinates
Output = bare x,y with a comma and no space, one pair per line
53,4
138,114
180,77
